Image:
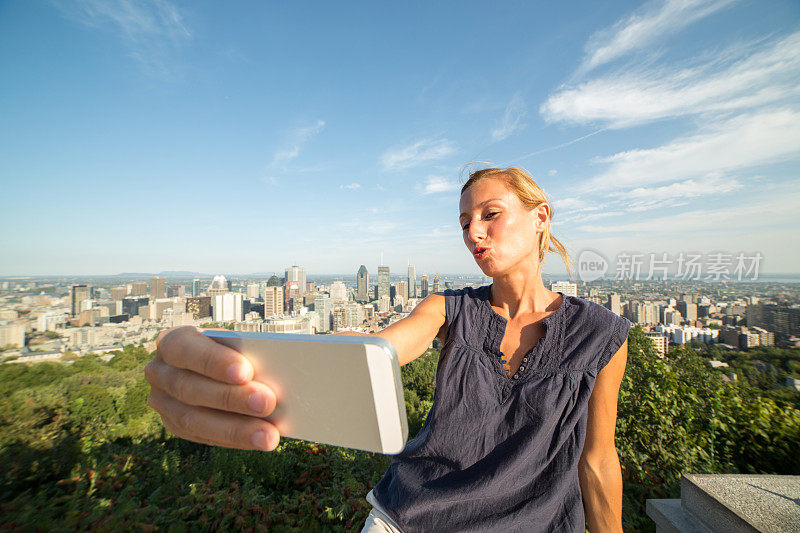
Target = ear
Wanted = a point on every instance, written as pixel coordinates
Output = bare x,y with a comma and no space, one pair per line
542,214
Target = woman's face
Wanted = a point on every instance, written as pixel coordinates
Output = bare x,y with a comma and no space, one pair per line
499,231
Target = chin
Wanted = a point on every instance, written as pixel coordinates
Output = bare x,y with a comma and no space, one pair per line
489,270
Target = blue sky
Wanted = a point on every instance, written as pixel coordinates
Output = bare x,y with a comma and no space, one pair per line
244,137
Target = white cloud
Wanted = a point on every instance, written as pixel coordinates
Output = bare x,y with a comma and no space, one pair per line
150,30
295,142
437,184
724,146
733,80
417,154
512,119
351,186
269,180
552,172
782,211
652,22
677,193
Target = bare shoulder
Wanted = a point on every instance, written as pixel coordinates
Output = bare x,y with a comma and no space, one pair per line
433,304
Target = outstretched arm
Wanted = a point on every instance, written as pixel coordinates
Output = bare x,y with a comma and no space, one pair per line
412,335
598,469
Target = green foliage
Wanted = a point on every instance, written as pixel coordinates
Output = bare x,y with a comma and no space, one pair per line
677,416
80,449
419,384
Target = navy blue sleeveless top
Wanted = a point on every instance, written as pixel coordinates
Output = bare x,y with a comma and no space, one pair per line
500,453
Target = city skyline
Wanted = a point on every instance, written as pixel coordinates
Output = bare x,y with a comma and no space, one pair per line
161,136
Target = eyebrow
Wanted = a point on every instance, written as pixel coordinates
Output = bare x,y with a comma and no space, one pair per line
481,205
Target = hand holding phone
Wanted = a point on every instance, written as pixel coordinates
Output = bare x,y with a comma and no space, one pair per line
204,392
332,389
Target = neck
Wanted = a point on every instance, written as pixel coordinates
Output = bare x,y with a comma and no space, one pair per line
522,292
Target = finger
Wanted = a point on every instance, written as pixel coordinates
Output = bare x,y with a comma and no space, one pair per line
186,347
253,398
209,426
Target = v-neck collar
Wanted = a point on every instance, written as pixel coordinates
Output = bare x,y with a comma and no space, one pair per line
539,356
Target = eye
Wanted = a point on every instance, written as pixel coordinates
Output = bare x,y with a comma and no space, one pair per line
491,215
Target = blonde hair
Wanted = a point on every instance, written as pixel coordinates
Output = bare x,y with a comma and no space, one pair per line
532,196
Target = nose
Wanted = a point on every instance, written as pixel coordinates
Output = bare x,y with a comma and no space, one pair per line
476,232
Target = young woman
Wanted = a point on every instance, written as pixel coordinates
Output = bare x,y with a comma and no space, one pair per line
521,433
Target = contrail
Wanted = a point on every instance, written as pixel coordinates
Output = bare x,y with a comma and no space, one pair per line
562,145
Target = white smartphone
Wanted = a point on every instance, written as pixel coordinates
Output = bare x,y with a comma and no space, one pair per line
333,389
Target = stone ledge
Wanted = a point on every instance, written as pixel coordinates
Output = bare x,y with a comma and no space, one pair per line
730,502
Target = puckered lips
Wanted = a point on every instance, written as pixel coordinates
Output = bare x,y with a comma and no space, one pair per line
480,252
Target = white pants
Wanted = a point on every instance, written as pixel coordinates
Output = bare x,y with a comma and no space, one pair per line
378,521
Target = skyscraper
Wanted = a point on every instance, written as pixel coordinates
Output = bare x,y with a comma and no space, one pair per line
79,294
323,307
158,288
423,286
338,292
253,290
402,289
118,293
273,301
412,281
219,285
291,291
298,274
199,306
228,307
197,287
614,304
362,285
383,281
139,288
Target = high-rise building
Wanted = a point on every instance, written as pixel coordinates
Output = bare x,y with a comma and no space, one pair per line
158,288
138,288
437,285
197,287
291,291
176,291
118,293
412,281
383,281
323,306
659,342
253,290
402,290
423,286
362,285
273,301
228,307
614,303
298,274
338,292
219,285
79,294
688,310
784,321
567,287
199,306
131,304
